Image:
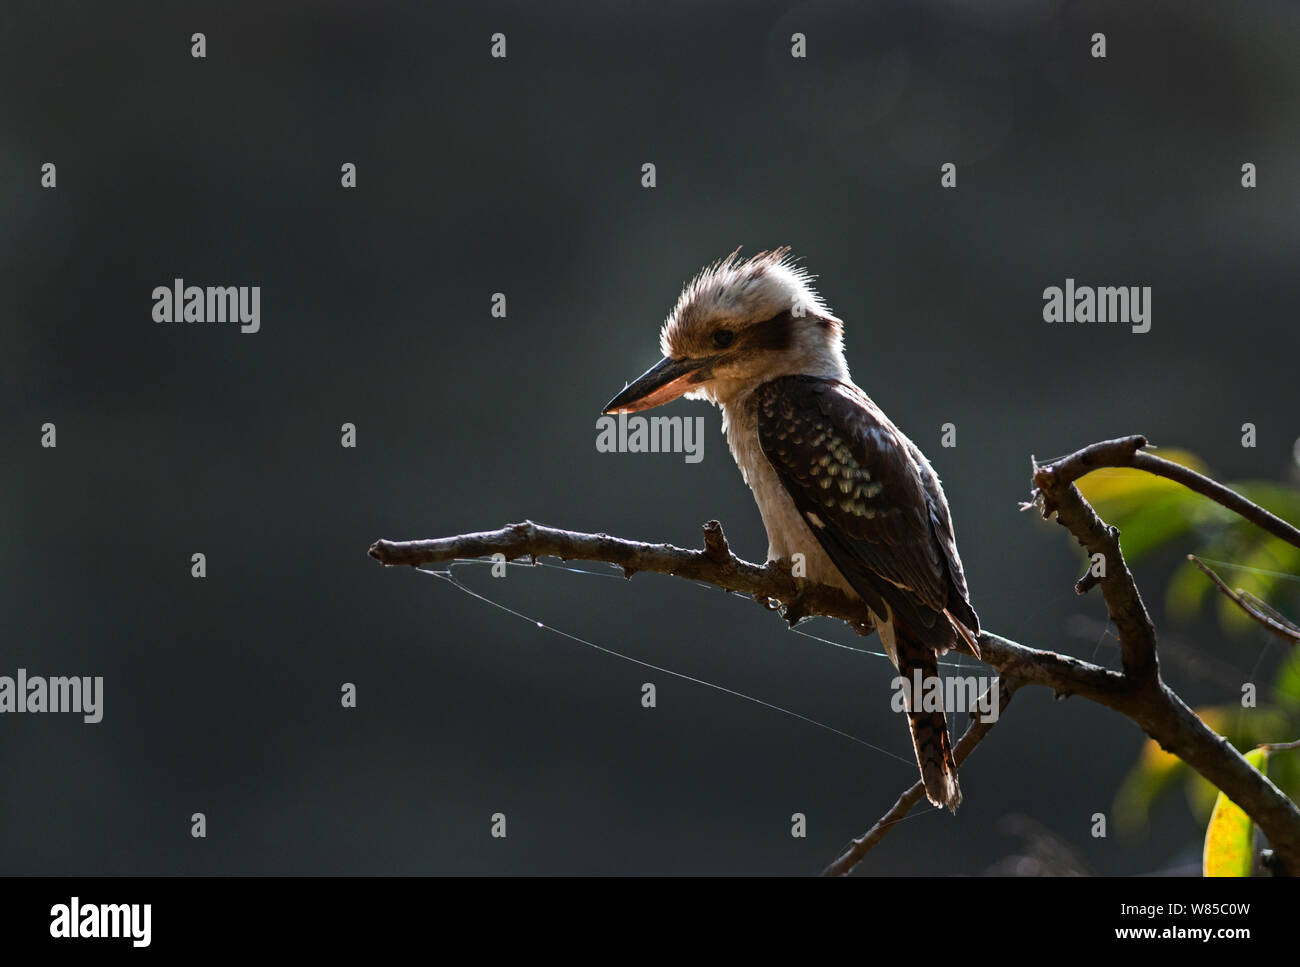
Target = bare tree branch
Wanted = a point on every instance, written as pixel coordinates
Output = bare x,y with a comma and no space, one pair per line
1138,693
1128,452
714,564
1151,703
1057,494
1279,746
770,582
1273,622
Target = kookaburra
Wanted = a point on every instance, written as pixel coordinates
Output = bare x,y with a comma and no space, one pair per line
835,480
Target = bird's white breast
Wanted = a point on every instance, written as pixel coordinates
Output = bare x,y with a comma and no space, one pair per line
787,531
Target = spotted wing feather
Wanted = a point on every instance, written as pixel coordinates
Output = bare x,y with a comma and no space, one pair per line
876,509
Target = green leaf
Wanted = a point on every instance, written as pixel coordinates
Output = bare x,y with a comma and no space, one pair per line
1157,522
1280,499
1150,511
1229,839
1186,591
1287,685
1153,773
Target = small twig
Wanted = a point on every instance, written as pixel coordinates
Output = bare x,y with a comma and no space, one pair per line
1287,631
1220,494
1087,582
1279,746
858,848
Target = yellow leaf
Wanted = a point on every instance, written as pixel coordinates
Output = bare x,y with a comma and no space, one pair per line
1229,839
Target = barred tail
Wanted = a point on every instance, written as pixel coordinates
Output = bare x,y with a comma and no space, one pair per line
929,728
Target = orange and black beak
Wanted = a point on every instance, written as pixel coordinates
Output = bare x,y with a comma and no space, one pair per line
661,383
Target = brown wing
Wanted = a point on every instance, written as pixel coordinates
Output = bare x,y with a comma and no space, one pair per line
941,522
852,475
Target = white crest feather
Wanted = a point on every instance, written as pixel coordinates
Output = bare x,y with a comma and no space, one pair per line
749,289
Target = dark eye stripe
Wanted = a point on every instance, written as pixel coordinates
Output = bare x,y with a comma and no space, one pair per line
774,333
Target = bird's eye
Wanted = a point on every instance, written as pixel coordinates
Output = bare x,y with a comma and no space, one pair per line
722,338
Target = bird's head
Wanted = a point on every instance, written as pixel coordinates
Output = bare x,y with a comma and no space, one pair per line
738,324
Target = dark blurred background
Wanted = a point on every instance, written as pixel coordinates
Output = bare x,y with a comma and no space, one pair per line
522,176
